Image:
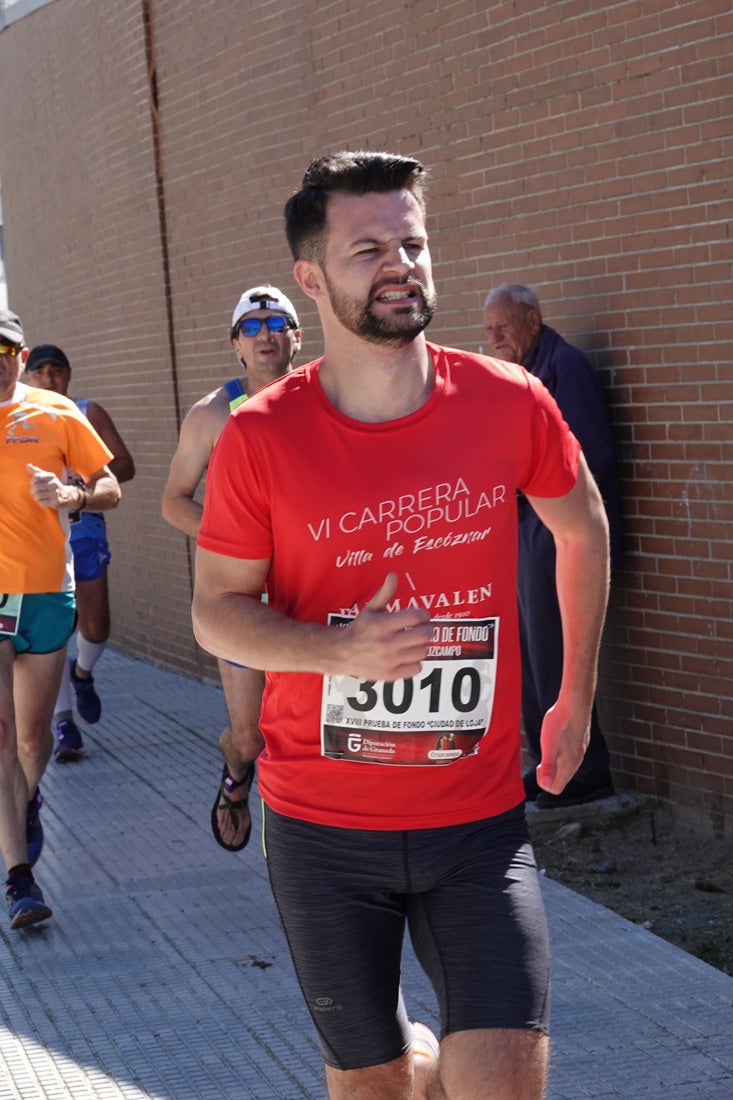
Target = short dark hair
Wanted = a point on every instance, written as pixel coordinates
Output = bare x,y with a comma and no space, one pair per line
356,173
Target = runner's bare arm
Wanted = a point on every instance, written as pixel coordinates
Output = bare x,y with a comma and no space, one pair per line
99,493
121,464
579,526
199,432
230,621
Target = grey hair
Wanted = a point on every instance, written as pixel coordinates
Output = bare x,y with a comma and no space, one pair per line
527,295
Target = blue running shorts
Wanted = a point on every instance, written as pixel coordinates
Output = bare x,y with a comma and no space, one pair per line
470,896
47,621
91,558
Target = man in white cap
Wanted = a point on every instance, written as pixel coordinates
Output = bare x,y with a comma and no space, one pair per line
266,337
41,434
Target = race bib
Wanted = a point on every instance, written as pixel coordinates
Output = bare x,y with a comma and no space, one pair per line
10,613
434,718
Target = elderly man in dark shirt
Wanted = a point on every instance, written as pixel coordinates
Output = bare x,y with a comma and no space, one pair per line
518,334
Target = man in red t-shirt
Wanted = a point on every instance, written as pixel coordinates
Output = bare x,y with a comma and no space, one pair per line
378,505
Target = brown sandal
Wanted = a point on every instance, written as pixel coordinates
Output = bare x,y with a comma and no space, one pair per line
224,801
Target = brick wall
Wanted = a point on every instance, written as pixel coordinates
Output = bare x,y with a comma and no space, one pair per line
586,152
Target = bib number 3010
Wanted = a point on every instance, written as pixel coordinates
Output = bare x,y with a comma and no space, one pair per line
462,691
433,718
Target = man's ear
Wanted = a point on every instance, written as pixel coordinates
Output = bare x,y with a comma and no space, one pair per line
237,352
310,278
534,319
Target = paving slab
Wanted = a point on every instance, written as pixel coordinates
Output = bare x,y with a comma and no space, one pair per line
164,974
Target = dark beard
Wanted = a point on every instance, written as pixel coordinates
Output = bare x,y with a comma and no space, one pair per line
395,331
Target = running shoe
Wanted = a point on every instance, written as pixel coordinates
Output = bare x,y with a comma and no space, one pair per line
25,903
68,741
34,828
88,703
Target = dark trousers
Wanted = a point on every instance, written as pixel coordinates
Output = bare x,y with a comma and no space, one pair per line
540,634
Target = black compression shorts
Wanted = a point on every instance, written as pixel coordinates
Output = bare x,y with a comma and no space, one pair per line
470,895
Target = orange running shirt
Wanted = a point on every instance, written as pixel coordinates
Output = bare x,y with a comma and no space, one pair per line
47,430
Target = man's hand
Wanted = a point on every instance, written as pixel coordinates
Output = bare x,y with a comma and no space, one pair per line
563,740
579,527
384,645
50,492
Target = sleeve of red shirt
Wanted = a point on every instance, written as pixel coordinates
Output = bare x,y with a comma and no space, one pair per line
554,452
236,520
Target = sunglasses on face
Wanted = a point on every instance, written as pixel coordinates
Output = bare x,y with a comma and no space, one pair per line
10,349
252,326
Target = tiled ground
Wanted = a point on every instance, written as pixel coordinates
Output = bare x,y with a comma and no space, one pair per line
164,973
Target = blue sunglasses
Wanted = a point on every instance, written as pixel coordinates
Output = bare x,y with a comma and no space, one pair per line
252,326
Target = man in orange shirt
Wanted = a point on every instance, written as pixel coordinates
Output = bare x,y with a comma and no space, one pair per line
41,433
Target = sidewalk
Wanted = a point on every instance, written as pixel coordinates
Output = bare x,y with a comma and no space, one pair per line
163,973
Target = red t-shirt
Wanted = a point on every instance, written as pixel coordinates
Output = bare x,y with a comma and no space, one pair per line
336,504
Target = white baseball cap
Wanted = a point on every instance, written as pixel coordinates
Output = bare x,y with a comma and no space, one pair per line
263,297
11,328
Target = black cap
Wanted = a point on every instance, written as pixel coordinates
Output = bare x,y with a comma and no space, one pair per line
46,353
